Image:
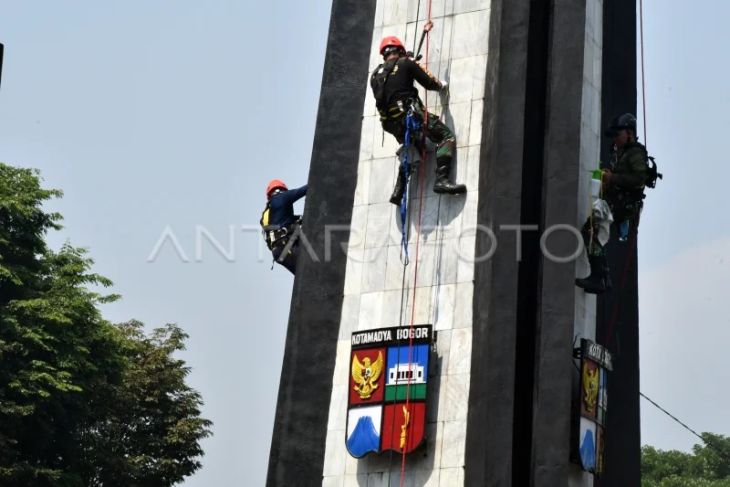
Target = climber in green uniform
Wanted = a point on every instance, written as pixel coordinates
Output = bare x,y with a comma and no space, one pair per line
395,94
623,181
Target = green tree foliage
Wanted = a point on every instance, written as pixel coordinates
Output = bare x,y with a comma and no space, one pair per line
707,466
82,402
151,436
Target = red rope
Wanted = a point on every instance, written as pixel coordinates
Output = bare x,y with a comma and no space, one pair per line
624,276
634,236
421,185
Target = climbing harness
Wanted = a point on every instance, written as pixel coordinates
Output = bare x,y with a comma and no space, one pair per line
273,234
277,236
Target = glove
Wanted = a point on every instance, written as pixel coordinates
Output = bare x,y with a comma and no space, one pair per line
606,177
444,91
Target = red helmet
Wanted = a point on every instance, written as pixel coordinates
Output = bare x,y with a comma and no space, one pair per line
273,185
390,41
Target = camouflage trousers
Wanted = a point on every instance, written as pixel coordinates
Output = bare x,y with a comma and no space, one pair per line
436,131
590,238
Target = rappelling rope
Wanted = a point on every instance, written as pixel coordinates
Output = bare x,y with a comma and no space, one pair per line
436,281
421,184
404,243
643,74
633,235
404,261
437,259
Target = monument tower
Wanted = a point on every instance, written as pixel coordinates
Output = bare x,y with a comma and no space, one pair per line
490,279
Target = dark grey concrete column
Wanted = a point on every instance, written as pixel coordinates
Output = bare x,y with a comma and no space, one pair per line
300,429
491,395
618,311
561,171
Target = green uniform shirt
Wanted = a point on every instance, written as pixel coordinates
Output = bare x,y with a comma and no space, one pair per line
626,188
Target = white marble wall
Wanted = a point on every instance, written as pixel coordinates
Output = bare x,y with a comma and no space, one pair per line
590,149
375,295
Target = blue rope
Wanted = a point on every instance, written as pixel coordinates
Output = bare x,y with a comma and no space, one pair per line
412,127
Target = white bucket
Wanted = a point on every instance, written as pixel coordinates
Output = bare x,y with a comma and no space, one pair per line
596,188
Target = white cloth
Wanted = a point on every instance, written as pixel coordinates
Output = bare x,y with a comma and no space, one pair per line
414,155
603,216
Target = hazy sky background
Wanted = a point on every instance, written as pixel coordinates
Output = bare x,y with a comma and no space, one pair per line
151,114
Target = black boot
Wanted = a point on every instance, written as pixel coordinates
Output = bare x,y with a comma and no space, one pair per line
596,282
442,183
400,187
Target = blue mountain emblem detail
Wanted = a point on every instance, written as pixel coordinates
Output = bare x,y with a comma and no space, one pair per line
588,452
364,438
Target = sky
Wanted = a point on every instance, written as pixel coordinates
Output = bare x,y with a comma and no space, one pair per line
684,241
168,118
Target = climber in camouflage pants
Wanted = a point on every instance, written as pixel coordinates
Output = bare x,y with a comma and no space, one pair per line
623,183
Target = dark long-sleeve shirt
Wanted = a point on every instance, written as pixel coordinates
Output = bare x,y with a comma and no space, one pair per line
630,169
628,176
399,85
281,206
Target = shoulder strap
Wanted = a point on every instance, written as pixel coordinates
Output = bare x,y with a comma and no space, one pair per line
264,221
379,79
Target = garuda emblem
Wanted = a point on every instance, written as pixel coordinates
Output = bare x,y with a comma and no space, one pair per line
366,374
590,389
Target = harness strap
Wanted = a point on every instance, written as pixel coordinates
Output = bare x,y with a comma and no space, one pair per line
380,79
399,109
276,235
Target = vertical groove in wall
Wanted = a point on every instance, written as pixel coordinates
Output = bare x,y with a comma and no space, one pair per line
620,333
557,302
491,402
531,214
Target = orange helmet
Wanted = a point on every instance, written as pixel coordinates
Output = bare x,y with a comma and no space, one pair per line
390,41
273,185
